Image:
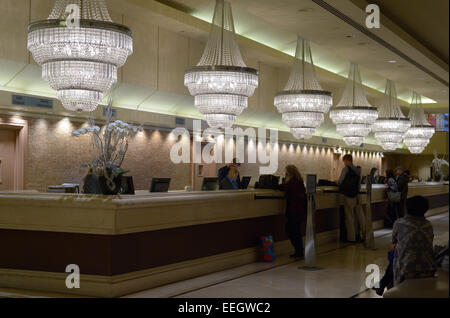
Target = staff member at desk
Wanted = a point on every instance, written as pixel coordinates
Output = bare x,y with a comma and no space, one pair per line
229,182
295,194
223,172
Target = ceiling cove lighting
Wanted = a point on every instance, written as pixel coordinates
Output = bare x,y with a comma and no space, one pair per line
391,125
221,83
80,62
419,134
303,103
354,116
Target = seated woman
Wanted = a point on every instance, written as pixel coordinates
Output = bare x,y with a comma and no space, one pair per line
374,175
230,182
295,194
412,237
412,250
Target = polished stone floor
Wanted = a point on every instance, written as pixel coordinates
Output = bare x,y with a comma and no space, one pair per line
342,275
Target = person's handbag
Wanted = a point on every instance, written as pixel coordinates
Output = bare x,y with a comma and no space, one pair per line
393,196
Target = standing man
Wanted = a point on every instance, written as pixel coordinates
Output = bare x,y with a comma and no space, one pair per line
349,183
402,186
223,172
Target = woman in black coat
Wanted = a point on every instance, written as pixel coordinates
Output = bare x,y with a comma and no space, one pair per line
295,194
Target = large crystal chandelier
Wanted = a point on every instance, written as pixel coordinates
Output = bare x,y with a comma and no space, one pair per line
80,61
303,103
391,125
419,134
221,83
354,116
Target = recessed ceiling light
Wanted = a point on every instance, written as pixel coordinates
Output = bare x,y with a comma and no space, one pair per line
392,61
349,36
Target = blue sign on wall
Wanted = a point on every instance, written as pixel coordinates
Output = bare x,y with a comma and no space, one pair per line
22,100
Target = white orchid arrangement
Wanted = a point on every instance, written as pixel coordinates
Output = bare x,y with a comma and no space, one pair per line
111,144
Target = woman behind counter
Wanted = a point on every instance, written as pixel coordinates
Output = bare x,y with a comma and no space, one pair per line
295,195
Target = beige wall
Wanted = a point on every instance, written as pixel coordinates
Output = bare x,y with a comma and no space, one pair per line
53,157
418,165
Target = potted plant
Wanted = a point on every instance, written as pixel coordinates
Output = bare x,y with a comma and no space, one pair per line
111,143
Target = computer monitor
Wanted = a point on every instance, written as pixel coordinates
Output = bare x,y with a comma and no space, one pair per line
209,184
160,185
268,181
126,185
245,182
363,180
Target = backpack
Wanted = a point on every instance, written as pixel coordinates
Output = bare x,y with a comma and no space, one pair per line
350,186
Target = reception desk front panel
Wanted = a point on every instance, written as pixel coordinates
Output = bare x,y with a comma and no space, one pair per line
127,243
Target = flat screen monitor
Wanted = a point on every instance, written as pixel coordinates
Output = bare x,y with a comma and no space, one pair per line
268,181
209,184
363,180
126,185
245,182
160,185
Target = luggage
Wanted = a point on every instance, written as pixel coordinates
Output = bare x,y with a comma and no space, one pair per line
268,254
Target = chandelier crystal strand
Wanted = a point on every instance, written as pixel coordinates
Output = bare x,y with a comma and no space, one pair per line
221,83
353,115
419,134
303,103
391,125
80,63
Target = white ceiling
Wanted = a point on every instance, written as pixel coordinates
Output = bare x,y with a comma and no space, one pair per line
334,42
274,24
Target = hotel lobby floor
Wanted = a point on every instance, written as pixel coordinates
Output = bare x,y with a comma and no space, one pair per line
342,275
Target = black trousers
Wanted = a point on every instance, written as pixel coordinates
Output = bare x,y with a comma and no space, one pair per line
391,214
293,230
388,278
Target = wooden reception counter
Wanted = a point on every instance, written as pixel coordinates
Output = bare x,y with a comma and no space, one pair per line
123,244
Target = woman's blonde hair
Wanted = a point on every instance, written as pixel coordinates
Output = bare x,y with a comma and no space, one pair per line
293,172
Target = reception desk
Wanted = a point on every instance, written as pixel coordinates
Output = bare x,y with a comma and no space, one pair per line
123,244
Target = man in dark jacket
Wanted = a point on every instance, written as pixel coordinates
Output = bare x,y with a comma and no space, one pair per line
229,182
402,186
223,172
353,211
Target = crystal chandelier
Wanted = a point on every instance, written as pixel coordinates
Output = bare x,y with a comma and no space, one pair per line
419,134
80,61
303,103
391,125
353,116
221,83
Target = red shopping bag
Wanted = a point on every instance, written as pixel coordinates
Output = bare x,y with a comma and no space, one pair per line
267,248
